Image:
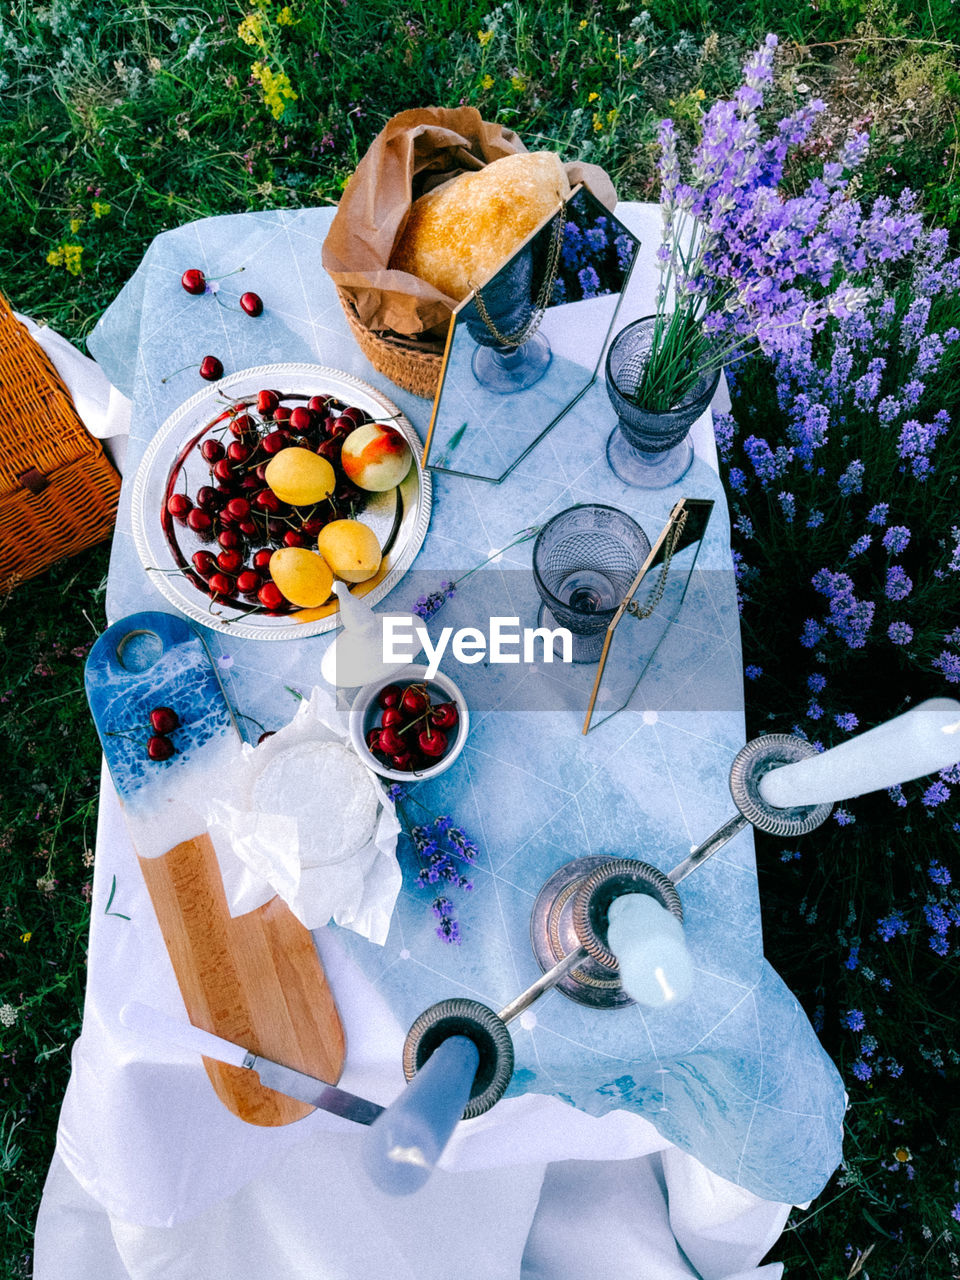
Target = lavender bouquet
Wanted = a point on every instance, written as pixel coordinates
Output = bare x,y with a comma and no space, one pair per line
736,256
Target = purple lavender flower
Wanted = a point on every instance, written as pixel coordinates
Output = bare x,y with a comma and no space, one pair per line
896,539
861,545
589,282
813,633
762,458
878,514
862,1070
898,585
752,672
852,479
427,606
853,958
843,817
737,480
814,711
846,721
896,795
936,794
816,683
948,664
854,1020
892,926
900,632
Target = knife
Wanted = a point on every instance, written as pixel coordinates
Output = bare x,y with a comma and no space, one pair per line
155,1025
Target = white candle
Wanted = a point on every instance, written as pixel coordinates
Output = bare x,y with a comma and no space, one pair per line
919,742
655,965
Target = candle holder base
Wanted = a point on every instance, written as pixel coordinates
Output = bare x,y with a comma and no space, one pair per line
461,1017
758,758
570,913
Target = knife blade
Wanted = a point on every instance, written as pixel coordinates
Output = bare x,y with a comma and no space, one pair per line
155,1025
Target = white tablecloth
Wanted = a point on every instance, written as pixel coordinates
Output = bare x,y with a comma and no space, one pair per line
608,1195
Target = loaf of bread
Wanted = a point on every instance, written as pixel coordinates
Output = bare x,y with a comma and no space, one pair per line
458,235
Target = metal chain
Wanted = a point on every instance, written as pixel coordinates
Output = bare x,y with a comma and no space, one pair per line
526,331
656,594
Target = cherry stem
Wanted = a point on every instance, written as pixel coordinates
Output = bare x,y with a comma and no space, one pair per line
176,371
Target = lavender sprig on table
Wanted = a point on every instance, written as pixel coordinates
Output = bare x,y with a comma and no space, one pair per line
427,605
444,852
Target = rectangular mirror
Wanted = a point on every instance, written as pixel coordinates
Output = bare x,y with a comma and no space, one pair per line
522,350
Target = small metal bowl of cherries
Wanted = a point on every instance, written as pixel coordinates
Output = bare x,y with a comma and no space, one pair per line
411,727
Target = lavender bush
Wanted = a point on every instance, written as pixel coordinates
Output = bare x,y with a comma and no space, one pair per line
841,459
737,259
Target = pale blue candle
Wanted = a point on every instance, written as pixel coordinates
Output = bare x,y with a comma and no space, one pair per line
403,1145
655,965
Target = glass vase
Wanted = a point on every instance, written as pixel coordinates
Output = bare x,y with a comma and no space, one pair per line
647,449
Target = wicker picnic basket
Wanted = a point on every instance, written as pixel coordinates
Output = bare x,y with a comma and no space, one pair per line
58,490
403,360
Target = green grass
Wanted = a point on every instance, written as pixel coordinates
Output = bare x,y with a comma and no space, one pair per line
118,121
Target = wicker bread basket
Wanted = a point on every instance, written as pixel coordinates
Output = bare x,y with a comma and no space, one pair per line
58,490
402,360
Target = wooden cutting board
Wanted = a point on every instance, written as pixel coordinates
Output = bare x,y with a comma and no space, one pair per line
254,979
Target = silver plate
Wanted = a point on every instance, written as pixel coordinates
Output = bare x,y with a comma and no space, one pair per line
399,517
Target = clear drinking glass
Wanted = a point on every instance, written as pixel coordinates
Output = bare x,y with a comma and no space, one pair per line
584,562
646,449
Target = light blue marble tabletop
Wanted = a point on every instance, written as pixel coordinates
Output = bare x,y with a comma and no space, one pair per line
735,1075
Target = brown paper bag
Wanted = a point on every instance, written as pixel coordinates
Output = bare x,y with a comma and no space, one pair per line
416,151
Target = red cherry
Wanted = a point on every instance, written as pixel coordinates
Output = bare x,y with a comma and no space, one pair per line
413,701
329,449
164,719
249,582
222,470
270,596
260,472
221,583
237,509
252,303
248,528
433,743
389,696
230,561
194,281
244,425
392,717
204,563
211,368
237,451
301,419
199,521
208,499
179,506
267,401
312,527
444,716
229,539
160,748
343,426
373,740
268,501
402,760
355,415
391,742
261,558
275,441
281,413
212,450
293,539
318,403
